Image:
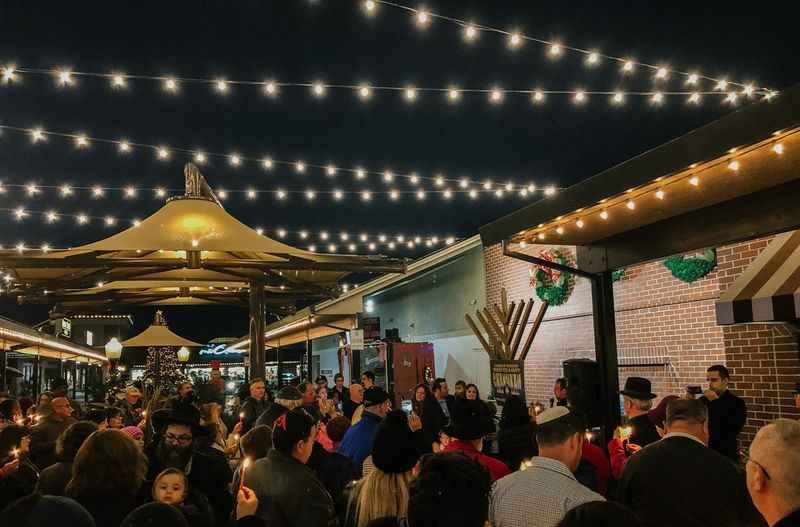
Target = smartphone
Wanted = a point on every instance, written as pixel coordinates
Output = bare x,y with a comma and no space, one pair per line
694,390
406,406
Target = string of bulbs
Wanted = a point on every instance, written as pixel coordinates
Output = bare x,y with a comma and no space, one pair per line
164,153
453,94
471,31
83,219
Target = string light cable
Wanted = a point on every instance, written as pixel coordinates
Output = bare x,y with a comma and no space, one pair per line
446,187
452,94
471,31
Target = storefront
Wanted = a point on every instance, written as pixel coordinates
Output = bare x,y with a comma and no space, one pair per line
31,361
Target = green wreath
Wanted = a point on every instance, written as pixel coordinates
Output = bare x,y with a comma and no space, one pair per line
692,268
617,275
554,293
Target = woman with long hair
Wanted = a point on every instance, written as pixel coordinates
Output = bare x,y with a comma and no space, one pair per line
418,398
472,393
53,479
10,413
107,476
211,414
384,491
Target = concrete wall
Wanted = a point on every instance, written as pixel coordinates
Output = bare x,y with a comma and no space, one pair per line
431,308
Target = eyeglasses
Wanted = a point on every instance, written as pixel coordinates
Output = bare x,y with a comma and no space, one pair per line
172,438
746,458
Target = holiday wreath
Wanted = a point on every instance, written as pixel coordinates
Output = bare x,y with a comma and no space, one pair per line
692,268
551,285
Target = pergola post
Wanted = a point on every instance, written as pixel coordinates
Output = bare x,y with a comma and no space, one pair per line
605,345
257,324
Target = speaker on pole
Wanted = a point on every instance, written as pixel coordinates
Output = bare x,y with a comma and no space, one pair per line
583,389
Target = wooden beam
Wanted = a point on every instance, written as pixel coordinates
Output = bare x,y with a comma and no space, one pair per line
537,323
478,334
520,327
490,331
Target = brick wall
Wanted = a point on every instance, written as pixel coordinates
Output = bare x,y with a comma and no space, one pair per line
664,321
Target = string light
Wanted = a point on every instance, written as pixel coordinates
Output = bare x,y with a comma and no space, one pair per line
118,81
110,221
694,181
394,195
514,40
266,163
538,96
604,215
82,219
222,194
364,92
98,191
410,93
628,66
662,73
20,213
338,195
252,194
778,148
32,189
310,195
453,94
162,153
366,195
235,160
160,192
130,192
300,167
124,146
360,173
579,97
281,194
692,79
171,85
66,190
734,166
200,157
323,235
657,98
618,98
82,141
554,50
64,77
421,195
318,89
423,19
496,96
37,135
221,86
52,216
330,170
8,73
388,176
593,58
271,88
470,33
414,179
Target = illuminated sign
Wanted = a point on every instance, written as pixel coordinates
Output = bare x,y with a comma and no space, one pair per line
220,350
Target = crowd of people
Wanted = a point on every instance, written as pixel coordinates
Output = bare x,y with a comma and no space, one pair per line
341,456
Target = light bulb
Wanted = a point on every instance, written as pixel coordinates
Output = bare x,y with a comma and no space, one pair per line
538,96
366,195
554,50
748,90
463,182
32,189
310,195
496,96
731,98
64,77
657,98
473,194
447,194
330,170
318,89
439,180
470,33
694,181
195,242
280,194
222,194
235,159
369,6
414,179
98,191
221,86
549,191
303,235
618,97
118,80
45,248
423,18
8,73
394,195
351,247
200,157
83,219
628,66
579,224
579,97
300,167
160,192
721,85
171,84
37,135
331,248
110,220
560,230
267,163
410,93
52,216
251,194
381,238
694,98
81,141
391,246
631,204
66,190
734,166
420,195
604,215
124,146
338,195
271,88
692,79
662,73
360,173
514,40
344,236
593,58
162,153
487,185
453,94
660,194
20,213
778,148
130,192
388,176
364,92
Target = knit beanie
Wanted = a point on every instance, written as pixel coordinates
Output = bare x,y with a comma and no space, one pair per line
393,451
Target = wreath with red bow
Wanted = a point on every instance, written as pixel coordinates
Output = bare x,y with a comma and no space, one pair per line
551,285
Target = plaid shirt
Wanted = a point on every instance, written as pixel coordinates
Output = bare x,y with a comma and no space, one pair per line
538,496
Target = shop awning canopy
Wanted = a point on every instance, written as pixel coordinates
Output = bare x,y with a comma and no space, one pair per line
19,338
159,335
734,179
769,289
189,252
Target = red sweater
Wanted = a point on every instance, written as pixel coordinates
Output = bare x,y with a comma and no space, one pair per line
595,455
497,468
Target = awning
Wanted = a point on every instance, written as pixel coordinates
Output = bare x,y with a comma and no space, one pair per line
769,289
20,338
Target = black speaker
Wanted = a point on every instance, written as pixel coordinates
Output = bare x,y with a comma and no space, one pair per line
392,335
583,389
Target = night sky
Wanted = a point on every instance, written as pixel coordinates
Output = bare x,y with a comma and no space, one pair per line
331,40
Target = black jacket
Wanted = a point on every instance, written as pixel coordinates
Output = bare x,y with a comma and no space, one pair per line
252,410
19,484
333,470
517,443
53,480
680,482
108,510
208,474
43,440
644,431
289,494
433,419
349,407
726,417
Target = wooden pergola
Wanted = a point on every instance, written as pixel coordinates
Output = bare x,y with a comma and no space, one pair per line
189,252
735,179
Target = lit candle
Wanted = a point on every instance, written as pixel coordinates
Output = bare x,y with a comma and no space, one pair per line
589,436
626,432
14,452
241,417
20,421
245,464
144,414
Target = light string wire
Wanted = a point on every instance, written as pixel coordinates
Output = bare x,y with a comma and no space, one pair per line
163,153
65,77
555,47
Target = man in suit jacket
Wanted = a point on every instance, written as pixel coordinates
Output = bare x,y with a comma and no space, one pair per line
436,413
680,481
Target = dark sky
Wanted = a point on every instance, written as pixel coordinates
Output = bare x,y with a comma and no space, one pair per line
300,41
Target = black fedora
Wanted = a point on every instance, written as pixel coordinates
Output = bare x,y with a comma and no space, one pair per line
638,388
182,414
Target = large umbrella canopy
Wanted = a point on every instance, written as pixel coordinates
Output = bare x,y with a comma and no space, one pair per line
158,335
189,252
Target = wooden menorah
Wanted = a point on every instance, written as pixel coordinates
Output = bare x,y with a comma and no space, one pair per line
504,326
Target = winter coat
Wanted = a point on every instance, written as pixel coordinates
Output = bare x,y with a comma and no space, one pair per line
108,510
289,494
43,440
270,415
252,410
334,471
358,440
19,484
53,480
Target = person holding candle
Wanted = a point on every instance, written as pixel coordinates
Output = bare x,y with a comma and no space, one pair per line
640,430
19,474
46,432
253,406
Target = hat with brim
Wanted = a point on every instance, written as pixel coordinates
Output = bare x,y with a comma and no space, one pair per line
471,420
638,388
375,395
184,414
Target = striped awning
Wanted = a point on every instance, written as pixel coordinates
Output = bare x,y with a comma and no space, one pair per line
769,289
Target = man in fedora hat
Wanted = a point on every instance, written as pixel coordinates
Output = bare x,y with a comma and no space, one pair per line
206,469
637,402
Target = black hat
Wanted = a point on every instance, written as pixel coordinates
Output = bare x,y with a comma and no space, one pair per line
374,395
289,393
638,388
182,414
393,451
290,428
471,420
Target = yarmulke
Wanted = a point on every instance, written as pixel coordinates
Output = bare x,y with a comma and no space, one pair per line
552,414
